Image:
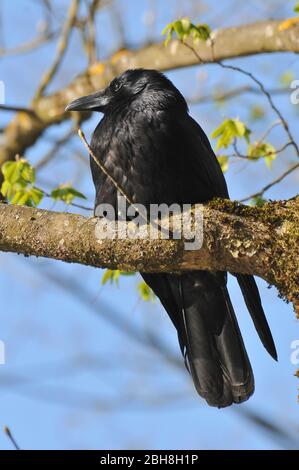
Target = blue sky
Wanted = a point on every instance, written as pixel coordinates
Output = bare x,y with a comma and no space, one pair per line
75,375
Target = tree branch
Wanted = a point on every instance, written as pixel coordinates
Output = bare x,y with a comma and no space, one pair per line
263,241
255,38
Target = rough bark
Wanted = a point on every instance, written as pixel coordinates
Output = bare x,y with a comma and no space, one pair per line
263,241
255,38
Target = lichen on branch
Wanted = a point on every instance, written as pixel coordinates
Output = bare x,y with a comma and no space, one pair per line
262,241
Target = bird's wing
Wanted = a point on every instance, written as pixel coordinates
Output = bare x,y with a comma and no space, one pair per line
207,164
203,165
166,159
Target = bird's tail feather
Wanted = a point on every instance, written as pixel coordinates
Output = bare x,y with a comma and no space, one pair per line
253,302
215,350
200,308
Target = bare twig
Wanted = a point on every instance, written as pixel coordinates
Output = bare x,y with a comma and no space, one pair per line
61,48
119,189
273,183
101,165
11,438
232,94
73,204
53,151
268,131
91,37
29,46
17,109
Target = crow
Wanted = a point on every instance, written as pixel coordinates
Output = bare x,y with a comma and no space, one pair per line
158,153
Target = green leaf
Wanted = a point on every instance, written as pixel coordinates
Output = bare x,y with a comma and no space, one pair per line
146,292
19,171
229,130
36,195
258,201
262,150
183,29
17,186
21,198
27,172
168,37
296,8
168,30
10,171
223,161
27,197
257,112
268,160
179,29
202,32
66,194
239,126
111,276
7,190
186,24
287,77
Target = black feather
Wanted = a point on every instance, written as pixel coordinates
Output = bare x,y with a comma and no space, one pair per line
253,302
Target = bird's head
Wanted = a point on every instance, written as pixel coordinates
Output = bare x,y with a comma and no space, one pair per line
138,89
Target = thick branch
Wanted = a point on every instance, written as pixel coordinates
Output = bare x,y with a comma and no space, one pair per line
255,38
262,241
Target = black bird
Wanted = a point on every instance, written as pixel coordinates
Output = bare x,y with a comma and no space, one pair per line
158,154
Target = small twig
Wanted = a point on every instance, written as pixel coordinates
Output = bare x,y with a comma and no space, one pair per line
80,206
61,48
74,204
91,38
237,154
232,94
274,182
101,165
200,60
29,46
267,132
11,438
17,109
52,152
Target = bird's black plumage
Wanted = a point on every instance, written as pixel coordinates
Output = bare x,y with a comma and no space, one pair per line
158,154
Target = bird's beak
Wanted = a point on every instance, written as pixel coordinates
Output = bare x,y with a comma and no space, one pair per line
95,102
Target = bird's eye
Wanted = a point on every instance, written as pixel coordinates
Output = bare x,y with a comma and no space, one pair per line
115,86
